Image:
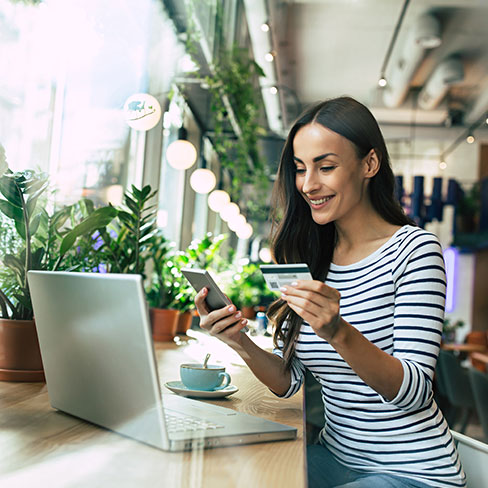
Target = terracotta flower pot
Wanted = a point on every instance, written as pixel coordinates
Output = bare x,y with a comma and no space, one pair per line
20,356
184,322
248,312
163,323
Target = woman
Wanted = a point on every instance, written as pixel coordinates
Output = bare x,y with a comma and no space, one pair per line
368,326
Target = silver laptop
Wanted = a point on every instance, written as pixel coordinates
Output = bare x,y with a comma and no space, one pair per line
100,366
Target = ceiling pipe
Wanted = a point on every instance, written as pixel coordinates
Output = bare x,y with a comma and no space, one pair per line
447,73
480,106
424,34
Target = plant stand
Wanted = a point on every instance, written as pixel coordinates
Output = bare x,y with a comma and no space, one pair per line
20,356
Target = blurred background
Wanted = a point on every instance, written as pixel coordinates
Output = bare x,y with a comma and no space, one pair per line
195,97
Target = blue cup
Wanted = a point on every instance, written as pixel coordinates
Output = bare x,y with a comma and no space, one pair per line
195,377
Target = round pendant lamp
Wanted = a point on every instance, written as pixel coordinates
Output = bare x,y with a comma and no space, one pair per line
142,111
181,154
229,211
203,180
218,199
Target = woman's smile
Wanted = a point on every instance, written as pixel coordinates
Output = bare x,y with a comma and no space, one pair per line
317,203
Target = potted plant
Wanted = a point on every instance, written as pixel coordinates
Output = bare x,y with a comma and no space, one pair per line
449,329
164,286
32,233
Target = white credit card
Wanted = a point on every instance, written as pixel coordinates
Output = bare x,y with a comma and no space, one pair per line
278,275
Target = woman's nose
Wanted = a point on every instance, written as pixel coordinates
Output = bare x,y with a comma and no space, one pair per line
311,182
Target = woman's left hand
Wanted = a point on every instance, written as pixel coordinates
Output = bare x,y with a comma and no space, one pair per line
316,303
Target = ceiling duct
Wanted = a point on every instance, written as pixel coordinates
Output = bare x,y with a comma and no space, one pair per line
447,73
424,34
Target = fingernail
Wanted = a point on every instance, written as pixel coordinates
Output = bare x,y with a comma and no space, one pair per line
295,283
238,315
231,308
244,322
204,291
283,296
283,288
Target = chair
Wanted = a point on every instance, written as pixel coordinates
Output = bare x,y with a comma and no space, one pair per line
479,385
455,380
474,458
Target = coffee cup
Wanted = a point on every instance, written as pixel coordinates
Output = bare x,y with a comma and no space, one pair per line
210,378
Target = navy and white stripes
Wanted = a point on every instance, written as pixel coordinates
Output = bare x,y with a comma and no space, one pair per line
395,297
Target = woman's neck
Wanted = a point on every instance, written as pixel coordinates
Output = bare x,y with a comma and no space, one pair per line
360,234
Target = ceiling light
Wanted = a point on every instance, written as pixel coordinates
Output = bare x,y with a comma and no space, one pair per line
265,255
470,139
486,120
245,232
382,82
181,154
237,222
269,57
273,90
265,27
142,111
203,180
218,199
442,165
229,211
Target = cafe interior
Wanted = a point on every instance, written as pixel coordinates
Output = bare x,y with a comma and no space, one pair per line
146,136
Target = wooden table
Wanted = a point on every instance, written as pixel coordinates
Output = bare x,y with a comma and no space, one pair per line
45,448
465,347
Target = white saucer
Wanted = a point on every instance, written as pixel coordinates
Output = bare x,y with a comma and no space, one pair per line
181,389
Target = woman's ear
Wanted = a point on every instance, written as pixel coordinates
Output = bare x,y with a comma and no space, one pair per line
371,164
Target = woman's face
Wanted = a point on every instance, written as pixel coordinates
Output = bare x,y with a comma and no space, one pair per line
329,175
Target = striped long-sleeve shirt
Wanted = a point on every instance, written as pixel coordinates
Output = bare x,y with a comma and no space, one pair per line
395,298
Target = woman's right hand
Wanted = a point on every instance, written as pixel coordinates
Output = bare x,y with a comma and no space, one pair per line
225,323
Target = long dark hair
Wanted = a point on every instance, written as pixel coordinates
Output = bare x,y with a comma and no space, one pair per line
295,237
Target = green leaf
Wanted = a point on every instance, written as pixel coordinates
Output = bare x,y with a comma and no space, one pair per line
37,256
34,224
134,206
12,211
10,191
14,263
99,218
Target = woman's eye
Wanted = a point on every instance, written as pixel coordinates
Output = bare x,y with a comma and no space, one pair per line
299,171
327,168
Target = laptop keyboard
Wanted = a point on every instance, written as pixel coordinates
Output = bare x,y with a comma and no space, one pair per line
176,422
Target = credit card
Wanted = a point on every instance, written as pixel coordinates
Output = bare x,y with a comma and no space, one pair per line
278,275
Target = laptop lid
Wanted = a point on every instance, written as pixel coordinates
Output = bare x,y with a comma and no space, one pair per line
97,351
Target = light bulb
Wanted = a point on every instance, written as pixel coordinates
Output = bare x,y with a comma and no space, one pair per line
230,210
273,90
265,27
269,57
382,82
236,222
442,165
142,111
265,255
218,199
470,139
245,232
203,180
181,154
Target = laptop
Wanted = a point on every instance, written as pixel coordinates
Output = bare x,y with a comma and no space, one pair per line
99,362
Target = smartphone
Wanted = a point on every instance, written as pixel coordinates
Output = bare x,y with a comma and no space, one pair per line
199,278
